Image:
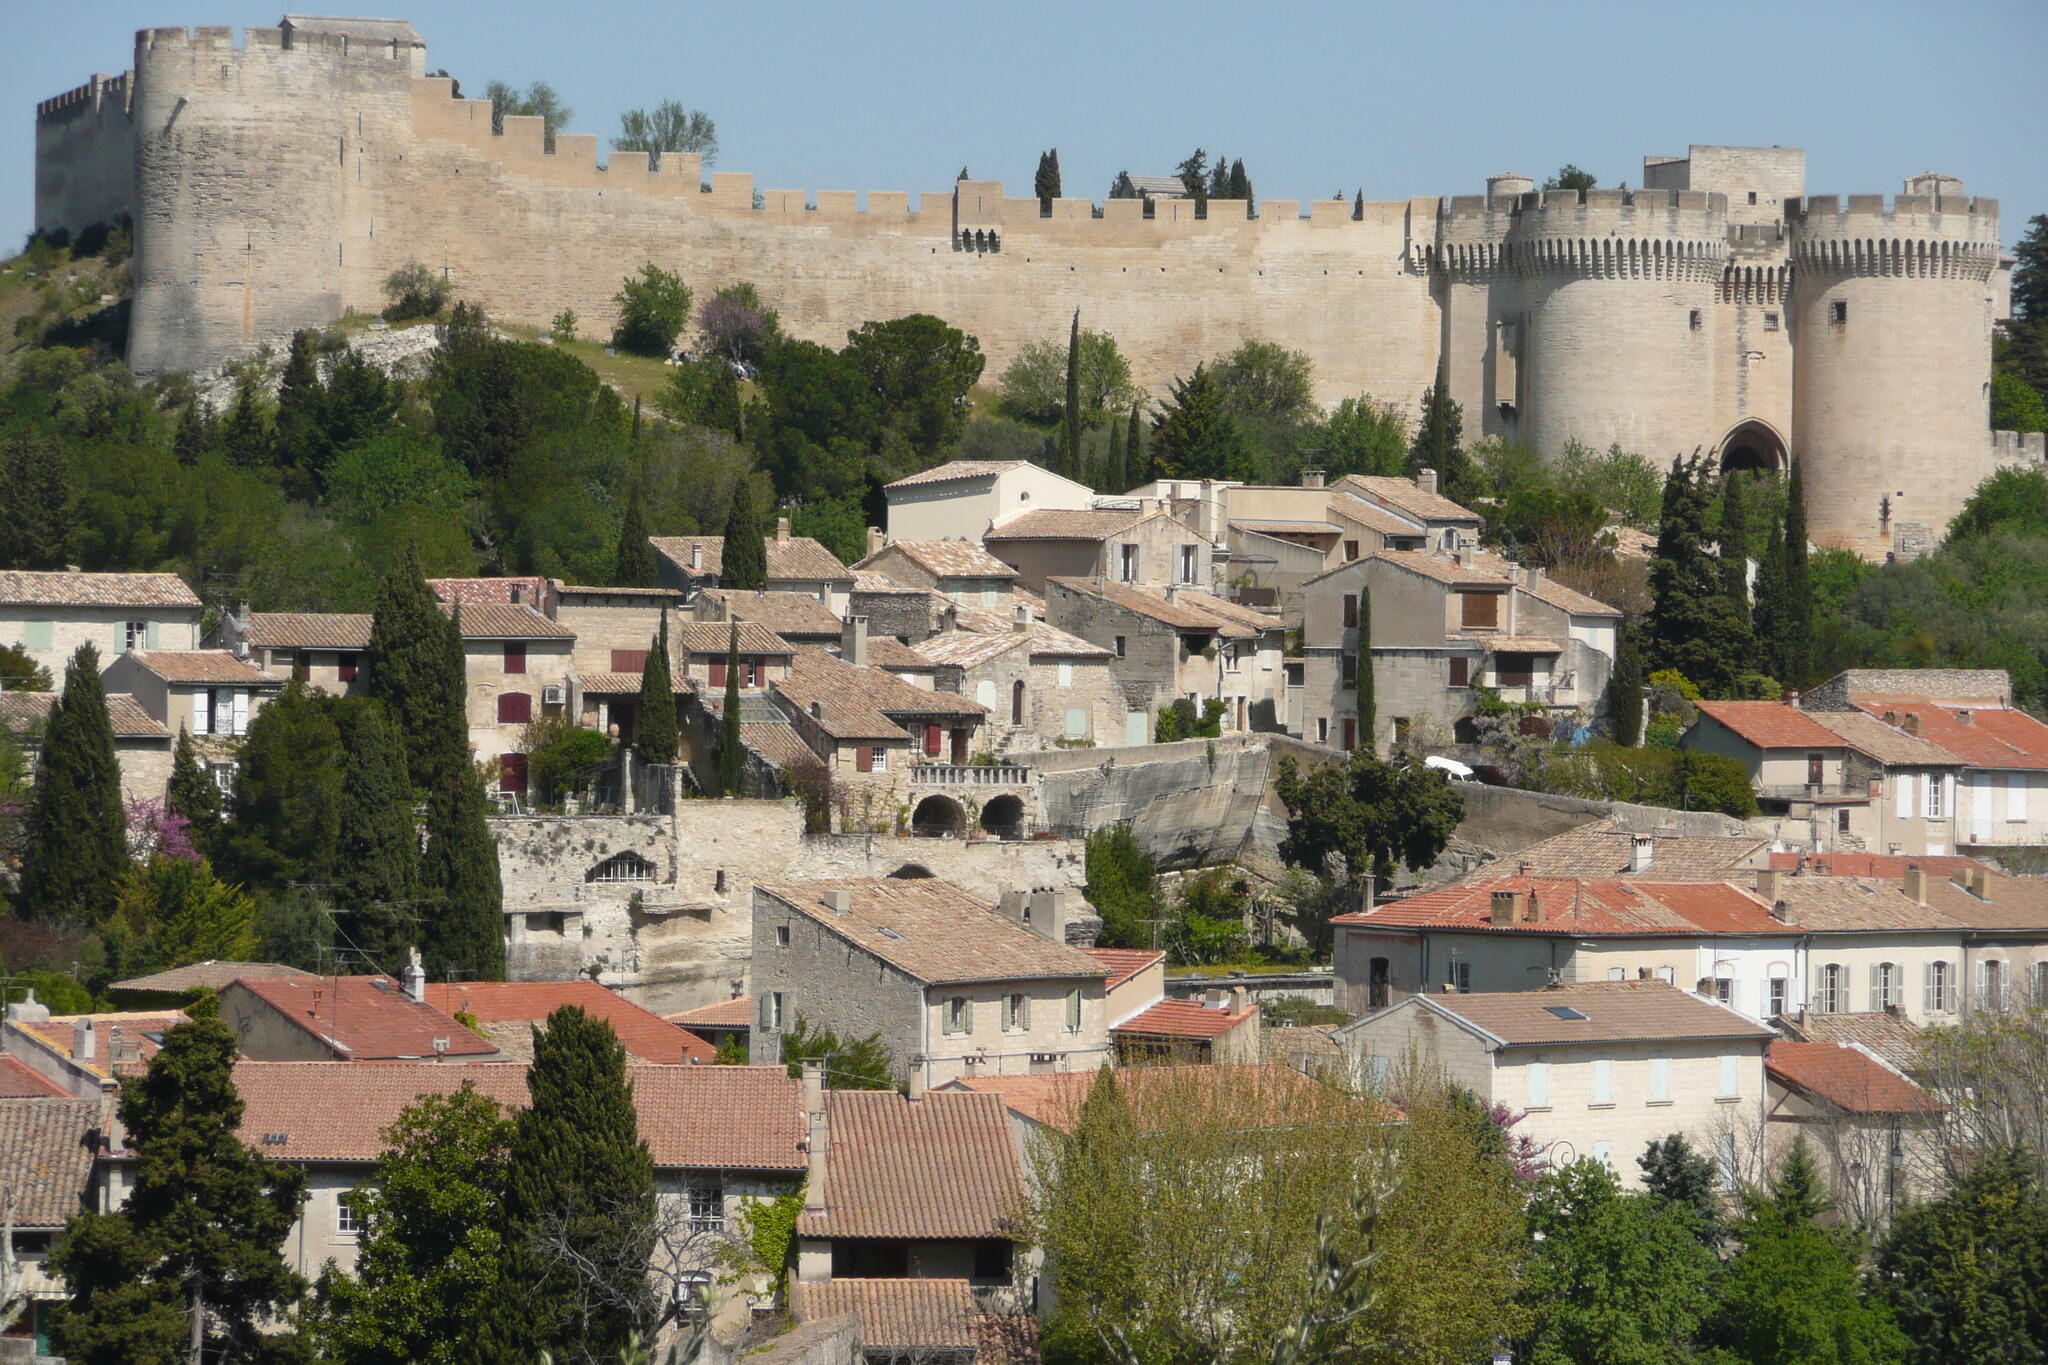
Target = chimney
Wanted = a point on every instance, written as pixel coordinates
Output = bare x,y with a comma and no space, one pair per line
1963,717
1467,554
414,978
1532,577
917,1069
819,1134
1976,881
1425,479
1013,906
1172,593
839,902
853,641
781,530
28,1009
876,540
696,556
1535,915
1311,478
1642,851
518,593
1792,697
1912,725
1915,884
1023,622
82,1040
1507,907
1046,913
1163,504
1780,911
1240,1000
1767,885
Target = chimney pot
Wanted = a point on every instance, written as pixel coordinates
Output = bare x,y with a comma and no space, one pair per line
1535,915
781,529
696,556
28,1010
1425,479
82,1040
1239,999
1506,907
518,594
1023,621
853,641
1642,851
1792,697
414,979
1915,884
1912,724
916,1094
1311,478
1046,914
1780,910
1767,883
839,902
876,540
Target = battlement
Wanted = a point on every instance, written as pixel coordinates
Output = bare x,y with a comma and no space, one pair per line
2028,448
173,41
1909,235
95,94
1812,212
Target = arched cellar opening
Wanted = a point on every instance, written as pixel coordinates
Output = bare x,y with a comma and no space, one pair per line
911,872
1003,817
938,817
1753,446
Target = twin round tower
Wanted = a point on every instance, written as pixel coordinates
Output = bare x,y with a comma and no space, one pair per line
275,180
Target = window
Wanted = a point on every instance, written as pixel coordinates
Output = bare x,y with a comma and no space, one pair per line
932,737
1347,669
1991,984
1077,723
1724,989
1603,1152
1479,610
1322,729
346,1223
1770,322
988,596
1660,1080
771,1010
1402,726
621,867
1187,563
1731,1077
1461,672
1934,785
864,758
1119,646
707,1208
38,634
1017,702
1617,973
1884,987
224,778
693,1295
1816,769
1724,1157
1127,563
1461,978
345,666
1938,984
1539,1085
2015,796
136,635
1073,1011
1832,993
1350,610
1842,820
1838,312
1697,319
985,693
515,658
1752,196
515,708
1016,1012
512,773
959,1014
1603,1081
782,935
1668,975
1350,733
629,661
1065,673
1778,996
2041,985
1350,550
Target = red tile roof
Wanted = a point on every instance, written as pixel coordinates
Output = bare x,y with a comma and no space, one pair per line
1888,866
1183,1019
480,590
1772,724
1123,963
957,469
1981,735
899,1316
1055,1099
203,666
1846,1078
124,713
1579,907
504,621
786,613
737,1012
703,1117
20,1081
46,1156
309,630
944,1167
627,684
646,1036
798,559
139,1030
364,1018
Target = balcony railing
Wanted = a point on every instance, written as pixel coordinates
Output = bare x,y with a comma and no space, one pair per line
1813,791
969,775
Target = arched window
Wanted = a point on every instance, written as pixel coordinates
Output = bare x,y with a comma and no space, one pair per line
1017,702
1939,988
622,867
1830,997
985,693
1991,984
1884,987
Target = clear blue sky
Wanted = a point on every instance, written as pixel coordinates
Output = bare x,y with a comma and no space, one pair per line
1404,99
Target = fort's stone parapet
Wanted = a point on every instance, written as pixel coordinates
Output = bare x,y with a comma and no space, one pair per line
276,181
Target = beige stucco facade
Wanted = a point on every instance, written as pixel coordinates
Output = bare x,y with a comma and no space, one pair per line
961,509
50,635
1154,551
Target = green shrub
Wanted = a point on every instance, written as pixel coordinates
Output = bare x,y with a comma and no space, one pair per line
563,327
416,292
560,755
653,310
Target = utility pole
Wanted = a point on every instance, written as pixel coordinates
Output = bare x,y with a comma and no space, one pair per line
196,1347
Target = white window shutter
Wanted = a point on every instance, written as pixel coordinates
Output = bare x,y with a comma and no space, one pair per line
1948,795
1539,1085
1024,1012
1927,1003
967,1016
1905,781
241,711
202,712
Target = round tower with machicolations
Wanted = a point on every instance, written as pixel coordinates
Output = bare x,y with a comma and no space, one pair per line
1891,313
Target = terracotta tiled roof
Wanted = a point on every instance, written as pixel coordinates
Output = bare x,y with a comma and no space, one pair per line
1373,516
208,975
203,666
1771,724
1183,1019
1883,865
785,613
476,591
972,645
934,931
141,1031
863,703
124,713
627,684
868,580
885,651
22,587
20,1081
1403,496
943,1167
958,469
737,1012
364,1018
46,1156
1580,907
1857,905
779,745
701,1117
715,638
1982,736
309,630
1613,1012
504,621
1066,523
1847,1079
673,596
1887,744
1190,609
646,1036
946,558
2008,902
800,558
1442,568
1055,1098
1892,1037
1123,963
1544,588
900,1316
1606,849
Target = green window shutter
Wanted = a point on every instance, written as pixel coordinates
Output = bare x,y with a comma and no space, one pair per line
39,635
967,1016
1023,1011
155,635
1073,1009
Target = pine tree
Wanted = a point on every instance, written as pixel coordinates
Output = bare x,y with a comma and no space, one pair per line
1219,179
37,503
245,435
723,410
1692,626
415,663
299,401
654,731
200,1232
1070,418
286,821
195,434
732,758
1240,186
1734,544
1795,642
464,929
1625,688
1674,1172
193,794
1368,687
76,848
634,565
1195,436
579,1198
377,849
743,566
1436,445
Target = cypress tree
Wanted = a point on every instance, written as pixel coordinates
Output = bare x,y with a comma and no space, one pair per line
654,734
415,662
1692,625
299,395
1240,186
377,849
1070,420
732,759
245,436
722,408
1134,467
464,930
1734,544
1769,618
76,849
1111,479
36,503
1625,688
1045,182
1358,205
287,804
633,566
194,436
1436,445
1795,657
743,565
193,794
1368,690
579,1198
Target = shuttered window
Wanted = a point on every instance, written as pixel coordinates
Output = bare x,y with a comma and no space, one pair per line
514,708
863,759
629,660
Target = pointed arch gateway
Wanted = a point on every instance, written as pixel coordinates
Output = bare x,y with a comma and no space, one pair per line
1754,444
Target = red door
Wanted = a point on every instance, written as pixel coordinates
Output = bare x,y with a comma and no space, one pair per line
512,773
1350,734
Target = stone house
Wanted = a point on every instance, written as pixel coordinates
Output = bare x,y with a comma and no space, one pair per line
1447,525
518,665
951,986
1140,545
966,497
80,1054
894,610
209,692
142,743
959,570
324,650
611,625
1180,642
49,615
795,564
797,617
1599,1069
346,1019
1613,848
47,1146
1040,686
1137,981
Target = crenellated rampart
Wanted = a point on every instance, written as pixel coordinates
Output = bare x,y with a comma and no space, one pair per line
1911,236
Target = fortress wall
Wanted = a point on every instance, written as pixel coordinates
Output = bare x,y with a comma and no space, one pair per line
1892,396
85,155
1754,379
1476,296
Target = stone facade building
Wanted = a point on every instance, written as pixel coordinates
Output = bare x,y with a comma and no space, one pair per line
1174,643
1138,545
49,615
1042,687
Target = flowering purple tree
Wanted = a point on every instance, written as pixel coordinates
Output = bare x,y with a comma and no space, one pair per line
155,831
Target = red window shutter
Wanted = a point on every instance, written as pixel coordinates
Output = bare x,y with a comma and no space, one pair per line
514,708
931,741
863,759
512,773
345,667
1350,735
629,660
515,658
718,672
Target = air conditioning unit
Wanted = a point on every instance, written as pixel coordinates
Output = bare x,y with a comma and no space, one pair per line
554,694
